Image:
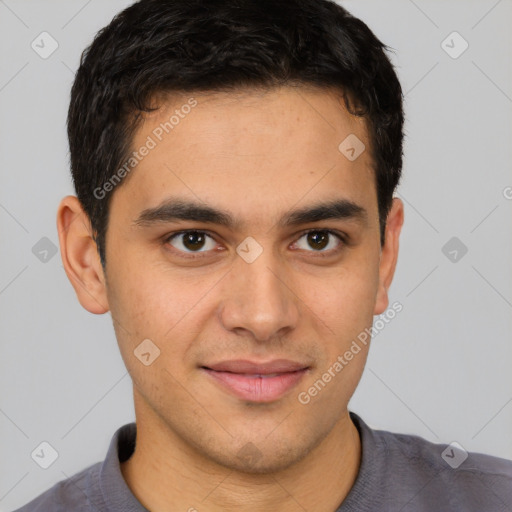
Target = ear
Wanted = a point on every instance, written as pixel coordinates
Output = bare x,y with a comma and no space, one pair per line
80,256
389,254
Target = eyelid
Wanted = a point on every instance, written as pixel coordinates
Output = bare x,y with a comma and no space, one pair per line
338,234
342,237
174,234
190,255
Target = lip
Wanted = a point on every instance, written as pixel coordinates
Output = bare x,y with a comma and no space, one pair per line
257,382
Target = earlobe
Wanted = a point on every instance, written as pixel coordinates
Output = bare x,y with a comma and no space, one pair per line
80,257
389,254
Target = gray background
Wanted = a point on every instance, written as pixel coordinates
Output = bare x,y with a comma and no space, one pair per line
440,369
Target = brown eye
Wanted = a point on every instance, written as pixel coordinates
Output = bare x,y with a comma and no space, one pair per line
319,240
192,241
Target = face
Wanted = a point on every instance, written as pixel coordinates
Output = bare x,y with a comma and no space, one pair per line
252,288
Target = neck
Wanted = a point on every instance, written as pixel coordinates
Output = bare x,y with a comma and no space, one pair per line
165,472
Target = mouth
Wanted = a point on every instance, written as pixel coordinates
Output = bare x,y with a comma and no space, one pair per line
257,382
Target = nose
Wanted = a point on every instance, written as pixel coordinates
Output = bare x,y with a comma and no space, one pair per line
259,299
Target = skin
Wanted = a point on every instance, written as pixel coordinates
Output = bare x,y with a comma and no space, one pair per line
257,155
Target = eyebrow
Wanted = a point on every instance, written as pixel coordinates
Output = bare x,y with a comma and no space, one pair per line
173,209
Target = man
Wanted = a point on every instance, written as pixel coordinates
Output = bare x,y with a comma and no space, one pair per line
234,163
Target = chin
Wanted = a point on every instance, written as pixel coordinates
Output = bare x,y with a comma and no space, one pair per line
251,460
263,466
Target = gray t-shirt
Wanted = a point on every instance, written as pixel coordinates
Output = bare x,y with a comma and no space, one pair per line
398,472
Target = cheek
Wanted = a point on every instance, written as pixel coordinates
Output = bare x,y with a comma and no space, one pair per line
146,300
345,299
147,303
344,310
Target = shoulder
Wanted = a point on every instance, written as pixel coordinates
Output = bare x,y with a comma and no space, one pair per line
409,473
423,453
66,495
461,480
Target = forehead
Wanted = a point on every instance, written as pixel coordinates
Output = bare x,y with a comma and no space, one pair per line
252,150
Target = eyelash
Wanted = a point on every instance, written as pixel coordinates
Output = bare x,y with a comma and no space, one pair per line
201,254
